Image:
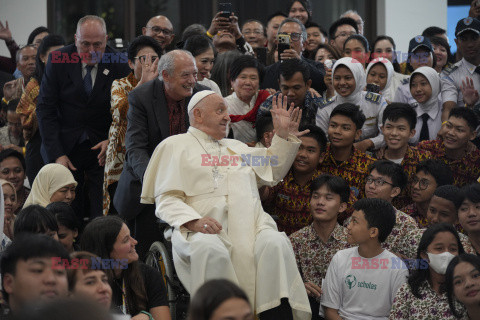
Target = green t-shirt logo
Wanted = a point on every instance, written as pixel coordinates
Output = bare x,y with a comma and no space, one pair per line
350,281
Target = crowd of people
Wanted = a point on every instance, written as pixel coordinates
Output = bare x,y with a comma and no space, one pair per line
298,172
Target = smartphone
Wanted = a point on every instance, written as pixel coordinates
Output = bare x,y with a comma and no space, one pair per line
283,43
226,9
371,87
261,54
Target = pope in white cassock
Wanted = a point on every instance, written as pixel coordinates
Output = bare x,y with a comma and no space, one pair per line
206,187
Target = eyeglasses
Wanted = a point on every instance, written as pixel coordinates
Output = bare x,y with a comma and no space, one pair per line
295,36
422,183
157,30
142,58
344,35
378,182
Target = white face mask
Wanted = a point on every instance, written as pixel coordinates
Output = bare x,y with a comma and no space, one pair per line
439,262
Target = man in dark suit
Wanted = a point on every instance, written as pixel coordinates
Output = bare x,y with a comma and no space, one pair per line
73,109
298,37
158,109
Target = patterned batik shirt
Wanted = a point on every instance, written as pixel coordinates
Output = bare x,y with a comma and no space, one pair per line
413,156
465,170
313,255
289,202
408,244
354,170
412,211
431,306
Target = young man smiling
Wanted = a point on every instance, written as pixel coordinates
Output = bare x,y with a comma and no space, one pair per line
341,158
399,121
456,149
289,200
316,244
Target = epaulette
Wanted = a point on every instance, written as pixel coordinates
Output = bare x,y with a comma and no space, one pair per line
373,97
405,81
449,70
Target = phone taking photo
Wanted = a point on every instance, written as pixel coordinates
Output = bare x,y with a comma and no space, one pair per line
283,43
226,9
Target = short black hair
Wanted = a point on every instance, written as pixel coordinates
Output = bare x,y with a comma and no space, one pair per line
64,214
335,184
451,193
340,22
433,31
291,66
244,62
392,170
317,134
397,110
438,169
275,14
311,24
7,153
264,123
360,38
379,214
141,42
466,114
34,219
35,33
199,44
52,40
471,192
26,246
351,111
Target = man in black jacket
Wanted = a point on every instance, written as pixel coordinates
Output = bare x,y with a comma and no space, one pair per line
73,109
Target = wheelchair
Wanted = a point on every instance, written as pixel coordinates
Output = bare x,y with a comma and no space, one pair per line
160,257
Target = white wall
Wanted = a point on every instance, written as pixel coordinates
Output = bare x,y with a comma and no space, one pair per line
405,19
23,16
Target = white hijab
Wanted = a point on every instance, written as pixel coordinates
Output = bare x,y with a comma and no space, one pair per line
434,80
387,92
360,79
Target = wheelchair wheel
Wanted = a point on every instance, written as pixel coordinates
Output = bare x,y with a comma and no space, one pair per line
159,258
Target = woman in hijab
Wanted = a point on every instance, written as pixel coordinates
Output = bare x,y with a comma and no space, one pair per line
380,72
53,183
349,80
425,89
7,216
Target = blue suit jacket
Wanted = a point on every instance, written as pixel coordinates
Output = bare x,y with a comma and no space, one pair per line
65,111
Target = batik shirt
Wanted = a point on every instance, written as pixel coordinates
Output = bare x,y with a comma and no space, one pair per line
465,170
431,306
289,202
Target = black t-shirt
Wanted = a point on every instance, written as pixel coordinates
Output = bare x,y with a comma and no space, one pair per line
154,286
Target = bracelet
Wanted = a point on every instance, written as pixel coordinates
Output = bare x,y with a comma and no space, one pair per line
443,123
5,100
24,150
209,34
150,317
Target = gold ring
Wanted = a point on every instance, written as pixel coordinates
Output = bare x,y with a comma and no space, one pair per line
147,65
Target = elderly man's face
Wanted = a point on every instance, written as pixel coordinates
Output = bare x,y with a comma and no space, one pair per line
91,38
26,62
293,27
160,29
213,116
254,34
179,85
358,20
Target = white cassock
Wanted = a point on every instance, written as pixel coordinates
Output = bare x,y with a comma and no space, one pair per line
187,183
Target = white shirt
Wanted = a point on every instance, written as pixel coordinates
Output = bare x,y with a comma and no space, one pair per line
242,130
452,81
360,293
434,122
